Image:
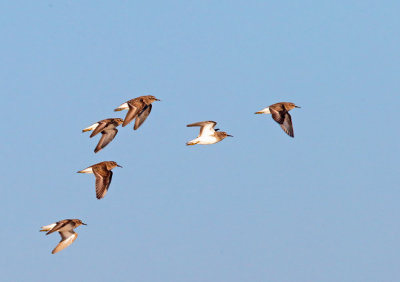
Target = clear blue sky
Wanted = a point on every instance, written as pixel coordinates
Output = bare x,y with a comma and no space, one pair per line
261,206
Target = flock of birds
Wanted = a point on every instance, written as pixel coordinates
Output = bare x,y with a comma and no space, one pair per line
139,109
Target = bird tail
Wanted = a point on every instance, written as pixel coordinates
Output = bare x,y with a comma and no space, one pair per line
47,227
192,143
122,107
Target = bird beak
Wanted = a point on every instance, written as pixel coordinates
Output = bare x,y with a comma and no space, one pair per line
84,223
119,165
257,113
229,135
158,100
297,107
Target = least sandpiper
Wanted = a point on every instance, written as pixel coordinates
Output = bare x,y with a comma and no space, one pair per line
138,108
108,129
66,229
280,113
208,135
102,172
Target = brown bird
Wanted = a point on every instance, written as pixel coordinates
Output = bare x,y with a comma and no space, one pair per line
138,108
208,135
102,172
66,229
280,113
108,129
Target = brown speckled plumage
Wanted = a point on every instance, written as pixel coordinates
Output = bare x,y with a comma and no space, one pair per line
139,109
66,229
280,113
102,172
108,130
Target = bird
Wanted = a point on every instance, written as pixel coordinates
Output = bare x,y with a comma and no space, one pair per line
208,135
102,172
280,113
138,108
108,130
66,229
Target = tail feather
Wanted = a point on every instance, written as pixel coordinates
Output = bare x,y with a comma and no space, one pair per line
47,227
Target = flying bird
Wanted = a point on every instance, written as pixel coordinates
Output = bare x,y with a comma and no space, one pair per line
208,135
102,172
108,129
138,108
280,113
66,229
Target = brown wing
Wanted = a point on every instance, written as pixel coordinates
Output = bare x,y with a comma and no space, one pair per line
106,137
132,113
284,119
59,224
277,116
67,238
103,180
142,116
287,125
99,128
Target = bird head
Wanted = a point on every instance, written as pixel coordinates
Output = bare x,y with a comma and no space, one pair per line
119,121
152,99
224,134
291,106
112,164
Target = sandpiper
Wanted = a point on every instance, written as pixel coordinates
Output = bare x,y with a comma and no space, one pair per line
66,229
138,108
280,113
102,172
208,135
108,129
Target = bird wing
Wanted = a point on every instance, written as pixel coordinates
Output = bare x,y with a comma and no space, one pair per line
142,116
206,127
67,238
59,224
99,128
277,116
106,137
102,182
132,113
284,119
287,125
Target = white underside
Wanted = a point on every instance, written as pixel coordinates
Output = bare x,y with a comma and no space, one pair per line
265,111
204,140
92,127
87,170
124,106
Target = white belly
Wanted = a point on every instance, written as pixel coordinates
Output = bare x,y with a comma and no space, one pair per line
206,140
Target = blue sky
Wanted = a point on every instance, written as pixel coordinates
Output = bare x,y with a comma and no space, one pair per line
257,207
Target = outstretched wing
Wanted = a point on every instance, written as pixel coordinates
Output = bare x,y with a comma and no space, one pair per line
142,116
207,127
277,116
67,238
103,181
287,125
99,128
284,119
132,113
60,224
107,136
